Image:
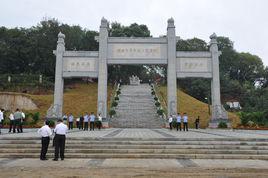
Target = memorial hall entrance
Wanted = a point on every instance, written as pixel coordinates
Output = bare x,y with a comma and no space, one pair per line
138,51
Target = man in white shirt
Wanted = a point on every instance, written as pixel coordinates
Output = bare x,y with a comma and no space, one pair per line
1,118
178,122
170,120
64,117
71,121
185,122
60,131
11,121
45,133
86,118
17,121
92,120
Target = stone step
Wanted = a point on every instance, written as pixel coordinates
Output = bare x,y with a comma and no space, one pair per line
128,140
142,107
142,151
118,146
134,111
136,108
141,156
103,141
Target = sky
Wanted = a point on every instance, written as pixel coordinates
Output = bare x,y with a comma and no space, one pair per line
245,22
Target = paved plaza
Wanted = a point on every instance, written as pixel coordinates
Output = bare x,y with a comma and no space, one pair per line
138,167
142,133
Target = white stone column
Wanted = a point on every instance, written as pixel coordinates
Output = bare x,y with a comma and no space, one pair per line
59,82
102,76
171,68
218,112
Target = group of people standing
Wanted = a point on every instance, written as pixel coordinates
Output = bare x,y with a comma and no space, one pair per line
82,122
16,120
182,120
60,132
59,139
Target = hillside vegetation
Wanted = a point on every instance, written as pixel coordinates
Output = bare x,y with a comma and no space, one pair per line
82,98
79,99
194,108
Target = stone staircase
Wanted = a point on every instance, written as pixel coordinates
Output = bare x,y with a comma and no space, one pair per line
168,148
136,108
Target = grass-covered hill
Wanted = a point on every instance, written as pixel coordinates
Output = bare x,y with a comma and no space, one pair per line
78,99
194,108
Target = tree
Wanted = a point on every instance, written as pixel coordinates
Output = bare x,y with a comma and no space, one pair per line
250,68
25,50
194,44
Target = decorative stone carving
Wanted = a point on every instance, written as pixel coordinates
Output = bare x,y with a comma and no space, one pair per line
134,80
53,111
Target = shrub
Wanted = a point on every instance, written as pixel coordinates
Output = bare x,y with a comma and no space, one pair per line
256,117
226,107
251,124
155,98
51,123
174,124
28,115
157,104
222,125
160,112
118,92
36,117
112,112
114,104
116,98
153,92
28,120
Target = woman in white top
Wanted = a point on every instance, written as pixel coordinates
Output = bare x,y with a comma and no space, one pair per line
11,121
77,122
99,121
1,118
170,120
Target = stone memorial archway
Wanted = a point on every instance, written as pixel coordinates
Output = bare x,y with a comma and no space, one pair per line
123,50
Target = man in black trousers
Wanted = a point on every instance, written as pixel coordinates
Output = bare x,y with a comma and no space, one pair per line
81,122
185,122
60,132
45,133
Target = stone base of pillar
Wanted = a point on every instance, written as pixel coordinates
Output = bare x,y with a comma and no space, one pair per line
214,123
219,114
105,124
53,112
